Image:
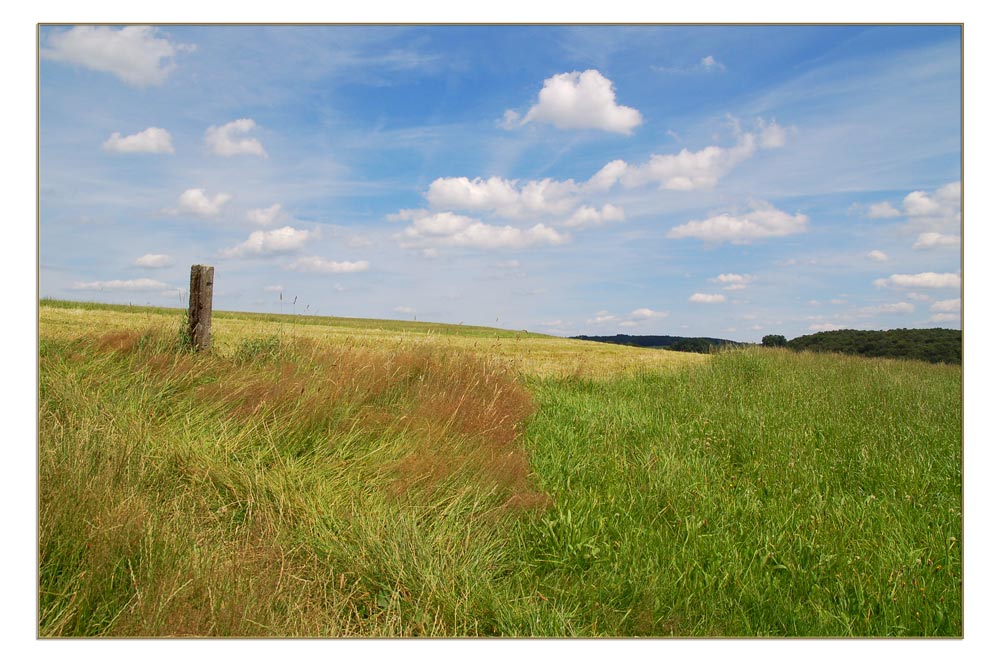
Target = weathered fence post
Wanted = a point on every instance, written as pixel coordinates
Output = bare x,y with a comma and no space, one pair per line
200,307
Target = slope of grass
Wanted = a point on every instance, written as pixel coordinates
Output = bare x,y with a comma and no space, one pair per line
296,484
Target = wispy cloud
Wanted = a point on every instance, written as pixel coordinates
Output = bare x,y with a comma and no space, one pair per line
321,265
927,280
142,284
154,261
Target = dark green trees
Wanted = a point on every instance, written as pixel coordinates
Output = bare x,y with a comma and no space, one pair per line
774,340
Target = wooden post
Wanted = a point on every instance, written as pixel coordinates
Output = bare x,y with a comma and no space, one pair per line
200,307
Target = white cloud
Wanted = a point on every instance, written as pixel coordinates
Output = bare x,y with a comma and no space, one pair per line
221,140
924,280
317,264
707,298
154,261
709,63
262,243
403,309
943,318
688,170
940,211
507,198
732,281
646,314
151,139
933,239
893,308
143,284
195,201
602,317
763,221
918,296
877,255
947,305
825,326
588,216
266,216
578,100
274,288
513,264
135,54
882,210
447,229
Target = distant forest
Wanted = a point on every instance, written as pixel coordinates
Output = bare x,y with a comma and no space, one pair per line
669,342
936,345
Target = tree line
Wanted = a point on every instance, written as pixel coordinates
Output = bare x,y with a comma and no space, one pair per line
936,345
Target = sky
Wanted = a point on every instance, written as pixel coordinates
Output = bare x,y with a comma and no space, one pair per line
723,181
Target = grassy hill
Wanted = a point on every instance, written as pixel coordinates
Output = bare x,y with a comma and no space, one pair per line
337,477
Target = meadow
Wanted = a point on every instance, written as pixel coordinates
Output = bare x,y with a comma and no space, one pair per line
316,476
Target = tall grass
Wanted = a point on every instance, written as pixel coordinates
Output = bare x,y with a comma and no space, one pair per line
291,487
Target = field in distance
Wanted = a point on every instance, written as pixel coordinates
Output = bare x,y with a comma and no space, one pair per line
313,476
532,353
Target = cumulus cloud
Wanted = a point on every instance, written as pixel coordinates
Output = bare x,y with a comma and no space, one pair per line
447,229
877,255
732,281
135,54
707,298
507,198
882,210
154,261
263,243
223,141
947,305
938,211
925,280
320,265
266,216
933,239
196,202
152,140
578,100
944,318
688,170
762,221
825,326
142,284
588,216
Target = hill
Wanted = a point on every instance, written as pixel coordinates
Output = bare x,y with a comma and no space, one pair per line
668,342
936,345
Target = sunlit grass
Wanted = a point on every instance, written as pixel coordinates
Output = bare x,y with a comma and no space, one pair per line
532,353
337,479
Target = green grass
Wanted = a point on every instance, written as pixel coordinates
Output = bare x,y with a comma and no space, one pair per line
288,485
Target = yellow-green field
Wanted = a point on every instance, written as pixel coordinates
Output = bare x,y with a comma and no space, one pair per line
349,477
531,353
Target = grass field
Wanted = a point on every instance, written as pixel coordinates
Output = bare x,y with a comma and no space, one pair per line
344,477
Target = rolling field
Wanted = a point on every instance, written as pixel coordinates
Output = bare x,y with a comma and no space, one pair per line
345,477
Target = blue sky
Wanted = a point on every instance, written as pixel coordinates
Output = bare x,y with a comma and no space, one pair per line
729,181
